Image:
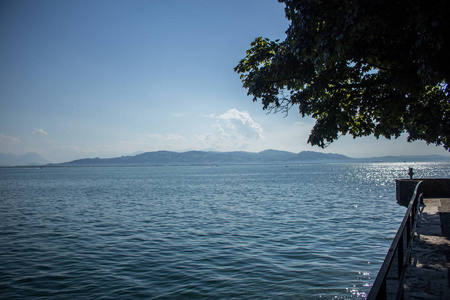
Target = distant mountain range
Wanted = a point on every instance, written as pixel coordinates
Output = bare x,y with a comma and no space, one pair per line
161,158
28,159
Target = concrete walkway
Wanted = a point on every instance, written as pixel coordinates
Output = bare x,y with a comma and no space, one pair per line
428,276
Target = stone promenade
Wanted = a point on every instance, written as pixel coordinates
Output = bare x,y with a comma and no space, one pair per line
428,276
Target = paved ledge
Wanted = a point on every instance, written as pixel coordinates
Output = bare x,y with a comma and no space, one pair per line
428,276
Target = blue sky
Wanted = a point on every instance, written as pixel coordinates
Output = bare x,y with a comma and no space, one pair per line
110,78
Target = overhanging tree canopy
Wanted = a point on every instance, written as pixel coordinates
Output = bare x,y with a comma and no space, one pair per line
358,67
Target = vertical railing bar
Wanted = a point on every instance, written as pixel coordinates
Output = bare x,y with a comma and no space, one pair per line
408,228
400,256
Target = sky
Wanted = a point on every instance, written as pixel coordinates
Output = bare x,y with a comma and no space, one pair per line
106,78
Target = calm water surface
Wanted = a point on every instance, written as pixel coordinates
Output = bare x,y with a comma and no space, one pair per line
245,232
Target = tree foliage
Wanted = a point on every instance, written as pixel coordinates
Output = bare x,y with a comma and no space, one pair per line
358,67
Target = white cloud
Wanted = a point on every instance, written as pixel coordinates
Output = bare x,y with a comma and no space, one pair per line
174,137
234,130
8,140
40,131
242,124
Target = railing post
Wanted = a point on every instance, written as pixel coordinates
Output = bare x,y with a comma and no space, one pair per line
408,228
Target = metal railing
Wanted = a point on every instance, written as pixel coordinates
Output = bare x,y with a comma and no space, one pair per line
389,281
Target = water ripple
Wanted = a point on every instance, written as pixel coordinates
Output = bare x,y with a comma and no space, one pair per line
245,232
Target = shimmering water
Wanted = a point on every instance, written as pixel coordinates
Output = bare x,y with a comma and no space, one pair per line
243,232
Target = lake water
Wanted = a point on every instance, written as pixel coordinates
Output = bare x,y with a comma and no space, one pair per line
304,231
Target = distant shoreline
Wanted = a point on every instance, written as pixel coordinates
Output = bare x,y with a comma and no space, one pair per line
86,164
211,158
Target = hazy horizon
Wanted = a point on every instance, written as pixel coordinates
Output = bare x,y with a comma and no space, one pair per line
27,158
